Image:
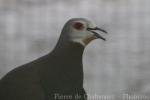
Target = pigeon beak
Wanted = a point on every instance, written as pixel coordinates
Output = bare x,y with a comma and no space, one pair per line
96,34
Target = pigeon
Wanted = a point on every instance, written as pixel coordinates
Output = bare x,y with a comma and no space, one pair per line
57,75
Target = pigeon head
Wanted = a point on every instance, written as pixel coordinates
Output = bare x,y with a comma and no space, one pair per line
80,30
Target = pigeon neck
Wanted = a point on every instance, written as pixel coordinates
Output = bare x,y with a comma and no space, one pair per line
69,57
72,48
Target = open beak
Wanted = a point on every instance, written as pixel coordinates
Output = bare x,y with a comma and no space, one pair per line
96,34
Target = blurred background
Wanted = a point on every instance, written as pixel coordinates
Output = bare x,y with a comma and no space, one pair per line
30,29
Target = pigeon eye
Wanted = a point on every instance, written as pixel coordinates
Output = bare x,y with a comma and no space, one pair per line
78,26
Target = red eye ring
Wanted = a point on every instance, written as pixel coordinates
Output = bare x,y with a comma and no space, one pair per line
78,25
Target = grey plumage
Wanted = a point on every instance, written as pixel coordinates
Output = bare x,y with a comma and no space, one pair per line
58,73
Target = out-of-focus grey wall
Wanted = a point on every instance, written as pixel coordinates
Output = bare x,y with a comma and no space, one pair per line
30,28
